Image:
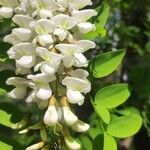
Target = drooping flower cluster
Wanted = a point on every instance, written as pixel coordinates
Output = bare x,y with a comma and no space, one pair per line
49,54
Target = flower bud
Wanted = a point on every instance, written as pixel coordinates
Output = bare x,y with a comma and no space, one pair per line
35,146
24,131
80,126
51,115
71,143
69,117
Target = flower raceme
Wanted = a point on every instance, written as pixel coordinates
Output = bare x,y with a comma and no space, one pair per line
50,56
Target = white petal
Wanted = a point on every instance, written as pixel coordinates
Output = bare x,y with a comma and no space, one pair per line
81,60
75,97
68,61
6,12
86,27
75,84
23,33
69,117
61,33
80,126
51,116
79,73
68,49
78,4
9,3
86,44
41,78
45,39
31,97
43,26
26,61
21,70
84,15
18,93
48,69
22,20
16,81
12,39
72,144
64,21
45,14
35,146
44,92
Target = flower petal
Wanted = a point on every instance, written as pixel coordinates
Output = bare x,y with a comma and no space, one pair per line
44,92
84,15
18,93
64,21
23,33
86,27
75,97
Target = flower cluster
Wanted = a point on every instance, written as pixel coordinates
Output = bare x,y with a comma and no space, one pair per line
48,52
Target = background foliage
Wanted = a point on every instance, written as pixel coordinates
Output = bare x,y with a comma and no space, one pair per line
124,38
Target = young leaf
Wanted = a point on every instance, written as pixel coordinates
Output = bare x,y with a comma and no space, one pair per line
109,143
103,113
129,111
126,126
112,96
104,64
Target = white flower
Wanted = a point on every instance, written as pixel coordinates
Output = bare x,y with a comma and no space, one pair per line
71,143
24,54
50,62
43,28
83,16
64,23
76,85
21,87
72,55
80,126
40,86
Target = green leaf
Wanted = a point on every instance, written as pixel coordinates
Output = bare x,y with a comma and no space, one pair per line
86,142
9,114
104,142
112,96
5,146
2,92
98,142
103,113
103,16
126,126
5,118
129,111
104,64
109,143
